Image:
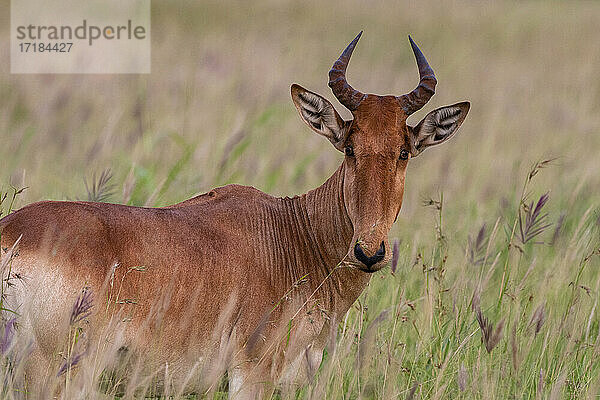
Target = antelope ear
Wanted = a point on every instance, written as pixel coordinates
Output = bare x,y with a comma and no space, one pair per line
320,116
438,126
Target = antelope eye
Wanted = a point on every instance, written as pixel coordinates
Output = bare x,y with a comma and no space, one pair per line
404,155
349,151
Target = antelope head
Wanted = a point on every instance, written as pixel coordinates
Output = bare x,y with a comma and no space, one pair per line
377,143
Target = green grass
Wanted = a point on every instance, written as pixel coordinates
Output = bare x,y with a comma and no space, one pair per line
216,109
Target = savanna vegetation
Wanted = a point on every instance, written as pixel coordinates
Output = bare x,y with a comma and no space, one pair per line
494,286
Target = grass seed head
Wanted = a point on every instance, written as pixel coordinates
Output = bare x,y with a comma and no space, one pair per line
538,318
100,189
82,307
531,220
490,336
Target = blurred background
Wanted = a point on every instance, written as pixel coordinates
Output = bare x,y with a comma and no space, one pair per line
216,108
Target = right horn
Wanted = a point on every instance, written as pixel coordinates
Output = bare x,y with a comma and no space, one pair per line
416,99
340,87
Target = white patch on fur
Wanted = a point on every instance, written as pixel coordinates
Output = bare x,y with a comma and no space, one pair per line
236,380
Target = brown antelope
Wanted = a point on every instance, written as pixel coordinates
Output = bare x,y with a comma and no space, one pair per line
237,273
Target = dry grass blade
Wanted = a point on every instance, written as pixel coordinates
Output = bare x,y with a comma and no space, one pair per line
490,336
3,197
128,186
462,378
538,318
11,203
238,135
413,390
476,247
395,256
514,347
7,337
540,385
369,336
558,228
476,300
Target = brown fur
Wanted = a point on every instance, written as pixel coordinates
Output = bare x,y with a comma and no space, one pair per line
223,271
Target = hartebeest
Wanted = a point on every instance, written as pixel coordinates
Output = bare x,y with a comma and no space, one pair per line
234,268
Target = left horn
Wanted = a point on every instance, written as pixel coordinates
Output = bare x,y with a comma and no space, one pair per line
416,99
348,96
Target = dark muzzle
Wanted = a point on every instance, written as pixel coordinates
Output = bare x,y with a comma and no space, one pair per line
369,261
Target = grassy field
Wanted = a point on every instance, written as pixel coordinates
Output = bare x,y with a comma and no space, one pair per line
482,304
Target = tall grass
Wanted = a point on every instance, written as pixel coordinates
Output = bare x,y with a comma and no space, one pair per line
495,284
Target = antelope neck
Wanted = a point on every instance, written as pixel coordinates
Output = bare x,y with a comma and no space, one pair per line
314,235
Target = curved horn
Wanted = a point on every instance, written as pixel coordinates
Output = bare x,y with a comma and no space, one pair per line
349,97
420,96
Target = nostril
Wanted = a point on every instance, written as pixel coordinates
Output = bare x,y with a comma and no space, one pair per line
381,251
360,255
